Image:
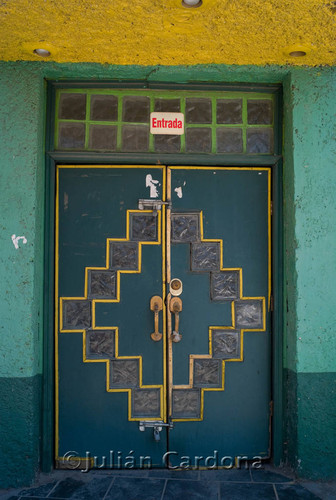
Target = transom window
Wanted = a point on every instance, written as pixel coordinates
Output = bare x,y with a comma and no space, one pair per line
113,120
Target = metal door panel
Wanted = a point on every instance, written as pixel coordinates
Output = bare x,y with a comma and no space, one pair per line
110,261
228,400
105,283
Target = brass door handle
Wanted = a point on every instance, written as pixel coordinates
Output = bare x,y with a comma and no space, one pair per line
175,307
156,306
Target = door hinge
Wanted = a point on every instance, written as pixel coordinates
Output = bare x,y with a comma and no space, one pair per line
271,303
271,207
271,408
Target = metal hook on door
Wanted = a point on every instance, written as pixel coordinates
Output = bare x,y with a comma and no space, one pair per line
157,431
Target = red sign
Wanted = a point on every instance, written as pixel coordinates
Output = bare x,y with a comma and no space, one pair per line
167,123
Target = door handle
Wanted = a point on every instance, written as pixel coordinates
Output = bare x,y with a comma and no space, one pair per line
156,306
176,307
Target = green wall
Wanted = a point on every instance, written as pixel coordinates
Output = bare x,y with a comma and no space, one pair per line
309,252
21,209
314,119
311,353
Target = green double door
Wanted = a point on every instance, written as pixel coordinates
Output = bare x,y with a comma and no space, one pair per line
162,327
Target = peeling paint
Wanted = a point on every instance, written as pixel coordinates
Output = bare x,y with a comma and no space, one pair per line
66,202
16,239
152,184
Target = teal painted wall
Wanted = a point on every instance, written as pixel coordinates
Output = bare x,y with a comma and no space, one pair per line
314,124
309,251
312,357
21,209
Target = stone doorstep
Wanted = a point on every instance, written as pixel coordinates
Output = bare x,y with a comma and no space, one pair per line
165,484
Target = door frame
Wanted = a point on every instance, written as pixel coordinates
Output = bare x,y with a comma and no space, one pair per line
52,158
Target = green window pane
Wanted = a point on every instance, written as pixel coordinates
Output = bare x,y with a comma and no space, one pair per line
103,137
259,112
72,107
229,140
229,111
135,109
104,108
71,136
167,105
135,138
198,110
198,140
259,140
167,143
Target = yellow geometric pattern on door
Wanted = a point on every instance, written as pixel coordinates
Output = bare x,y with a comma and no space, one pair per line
227,329
93,302
193,358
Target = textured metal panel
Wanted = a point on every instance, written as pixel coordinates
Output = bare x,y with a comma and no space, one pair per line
100,344
124,255
143,227
124,373
226,344
224,285
185,227
146,403
76,314
205,256
207,372
186,403
249,314
102,284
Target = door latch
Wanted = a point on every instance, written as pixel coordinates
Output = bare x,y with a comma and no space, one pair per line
156,425
151,204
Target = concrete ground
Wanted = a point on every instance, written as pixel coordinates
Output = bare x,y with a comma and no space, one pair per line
235,484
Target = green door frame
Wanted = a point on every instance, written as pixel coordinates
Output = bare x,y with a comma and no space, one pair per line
75,158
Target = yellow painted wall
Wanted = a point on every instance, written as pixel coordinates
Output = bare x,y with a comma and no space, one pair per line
148,32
